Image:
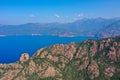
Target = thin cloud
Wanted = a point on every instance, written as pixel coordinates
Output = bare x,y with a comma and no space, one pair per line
80,15
57,16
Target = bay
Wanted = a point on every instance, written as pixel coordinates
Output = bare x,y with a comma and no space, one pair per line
11,47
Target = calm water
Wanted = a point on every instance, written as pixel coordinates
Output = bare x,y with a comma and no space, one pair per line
11,47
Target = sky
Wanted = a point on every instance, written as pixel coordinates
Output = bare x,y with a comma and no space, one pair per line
45,11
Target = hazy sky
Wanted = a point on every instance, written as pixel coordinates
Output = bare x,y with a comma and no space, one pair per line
24,11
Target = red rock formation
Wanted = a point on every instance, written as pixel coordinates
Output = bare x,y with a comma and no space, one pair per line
101,46
24,57
53,58
93,49
107,42
118,44
38,52
109,72
93,69
118,54
66,50
114,43
112,54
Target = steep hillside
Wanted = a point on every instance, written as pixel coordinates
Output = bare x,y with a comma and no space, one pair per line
88,60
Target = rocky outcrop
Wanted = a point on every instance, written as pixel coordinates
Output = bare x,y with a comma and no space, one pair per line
109,72
38,52
93,48
50,72
101,47
24,57
66,50
118,44
112,54
32,67
118,54
11,66
115,43
10,74
93,70
52,58
85,62
107,42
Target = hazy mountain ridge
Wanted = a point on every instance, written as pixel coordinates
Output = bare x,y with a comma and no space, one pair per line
84,27
111,30
88,60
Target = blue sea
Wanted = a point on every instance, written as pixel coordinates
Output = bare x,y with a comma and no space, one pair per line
11,47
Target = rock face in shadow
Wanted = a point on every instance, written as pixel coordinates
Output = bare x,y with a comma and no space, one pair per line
88,60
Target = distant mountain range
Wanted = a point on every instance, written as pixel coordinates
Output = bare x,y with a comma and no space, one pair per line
98,27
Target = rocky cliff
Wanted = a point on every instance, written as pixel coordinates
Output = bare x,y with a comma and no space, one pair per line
88,60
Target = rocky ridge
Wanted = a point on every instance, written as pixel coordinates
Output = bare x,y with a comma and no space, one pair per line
88,60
